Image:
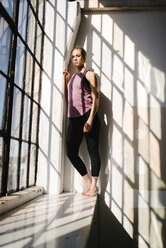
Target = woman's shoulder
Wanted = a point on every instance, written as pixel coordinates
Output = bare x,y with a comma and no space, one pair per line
90,74
89,71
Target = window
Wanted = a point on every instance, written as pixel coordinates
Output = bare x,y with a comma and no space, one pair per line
3,85
5,38
21,43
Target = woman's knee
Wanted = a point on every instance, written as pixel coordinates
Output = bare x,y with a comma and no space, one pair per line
71,153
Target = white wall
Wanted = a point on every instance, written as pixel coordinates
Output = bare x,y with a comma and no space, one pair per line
62,21
127,51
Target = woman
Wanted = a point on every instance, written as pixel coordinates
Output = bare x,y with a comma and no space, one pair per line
83,102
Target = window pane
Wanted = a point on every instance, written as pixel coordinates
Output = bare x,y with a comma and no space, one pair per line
8,5
34,123
2,98
13,165
26,119
34,4
38,44
36,83
31,30
28,76
22,21
40,14
24,164
15,129
20,61
32,165
1,161
5,35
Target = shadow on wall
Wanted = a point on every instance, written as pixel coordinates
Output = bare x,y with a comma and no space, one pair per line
128,58
111,3
105,115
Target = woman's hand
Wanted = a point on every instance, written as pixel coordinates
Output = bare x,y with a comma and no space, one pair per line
67,76
87,127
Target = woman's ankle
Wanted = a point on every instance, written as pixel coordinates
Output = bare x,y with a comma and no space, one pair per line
87,179
94,182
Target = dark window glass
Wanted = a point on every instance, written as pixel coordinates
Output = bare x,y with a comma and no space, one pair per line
22,21
23,165
20,62
13,165
1,160
2,98
26,119
5,35
15,129
8,5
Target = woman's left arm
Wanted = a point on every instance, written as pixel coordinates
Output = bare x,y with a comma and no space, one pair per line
91,77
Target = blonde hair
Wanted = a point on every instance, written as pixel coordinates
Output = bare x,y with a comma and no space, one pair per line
83,52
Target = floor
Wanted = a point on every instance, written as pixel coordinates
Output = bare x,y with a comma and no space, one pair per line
48,221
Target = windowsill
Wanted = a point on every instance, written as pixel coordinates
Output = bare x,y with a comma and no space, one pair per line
64,220
17,199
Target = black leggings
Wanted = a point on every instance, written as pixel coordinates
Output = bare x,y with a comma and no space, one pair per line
74,137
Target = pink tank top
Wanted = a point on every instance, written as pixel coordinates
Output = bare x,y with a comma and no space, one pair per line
79,99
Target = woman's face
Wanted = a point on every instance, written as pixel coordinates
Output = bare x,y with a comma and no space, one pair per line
77,58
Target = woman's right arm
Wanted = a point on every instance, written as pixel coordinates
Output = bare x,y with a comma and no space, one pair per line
67,79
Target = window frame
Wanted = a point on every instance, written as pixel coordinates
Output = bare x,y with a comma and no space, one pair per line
5,132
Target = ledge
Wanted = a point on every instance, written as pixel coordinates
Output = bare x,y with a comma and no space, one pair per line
65,220
17,199
120,8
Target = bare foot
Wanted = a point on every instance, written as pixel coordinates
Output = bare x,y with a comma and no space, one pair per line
88,185
92,192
